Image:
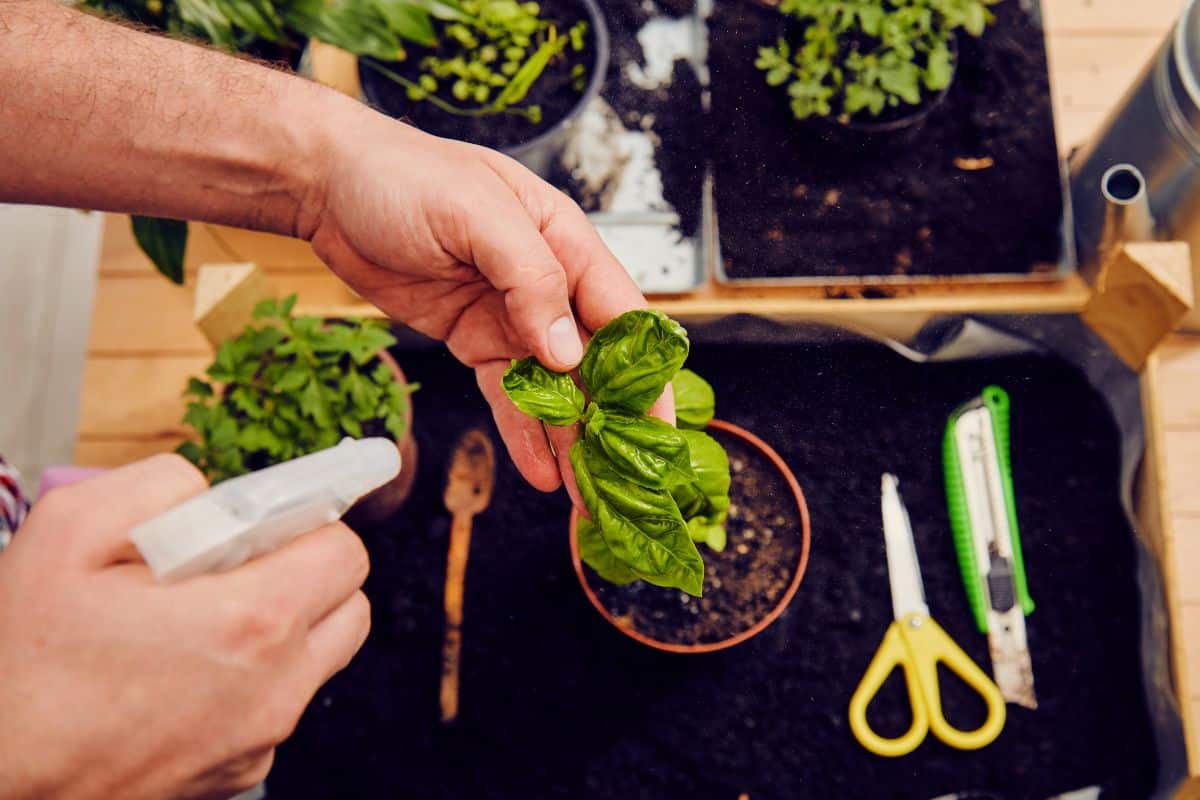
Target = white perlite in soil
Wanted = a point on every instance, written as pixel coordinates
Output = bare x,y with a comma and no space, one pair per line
616,166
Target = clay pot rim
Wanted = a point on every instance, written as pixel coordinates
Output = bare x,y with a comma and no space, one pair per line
723,644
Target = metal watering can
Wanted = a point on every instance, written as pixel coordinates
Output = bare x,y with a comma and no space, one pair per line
1139,177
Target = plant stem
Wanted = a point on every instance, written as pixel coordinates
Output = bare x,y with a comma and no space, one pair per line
449,108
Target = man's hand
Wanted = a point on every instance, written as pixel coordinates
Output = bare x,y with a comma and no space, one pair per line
457,241
466,245
112,685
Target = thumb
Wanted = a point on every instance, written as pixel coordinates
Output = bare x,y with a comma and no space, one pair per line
509,250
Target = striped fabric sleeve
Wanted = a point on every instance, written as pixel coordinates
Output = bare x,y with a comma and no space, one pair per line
13,505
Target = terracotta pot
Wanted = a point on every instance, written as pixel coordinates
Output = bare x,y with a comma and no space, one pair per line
770,616
387,499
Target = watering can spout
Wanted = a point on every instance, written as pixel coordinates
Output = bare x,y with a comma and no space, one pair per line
1127,216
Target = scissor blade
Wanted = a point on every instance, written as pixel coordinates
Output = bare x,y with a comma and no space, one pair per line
904,571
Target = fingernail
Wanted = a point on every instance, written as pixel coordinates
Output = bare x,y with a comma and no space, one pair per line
564,342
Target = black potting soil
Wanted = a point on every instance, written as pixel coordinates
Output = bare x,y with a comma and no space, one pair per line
743,582
974,190
554,91
672,113
555,703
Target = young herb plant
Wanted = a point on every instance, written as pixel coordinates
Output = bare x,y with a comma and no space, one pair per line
489,55
865,56
291,387
652,490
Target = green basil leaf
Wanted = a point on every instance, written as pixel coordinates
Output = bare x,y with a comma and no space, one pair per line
710,533
694,400
597,555
710,462
549,396
164,241
641,526
630,360
643,449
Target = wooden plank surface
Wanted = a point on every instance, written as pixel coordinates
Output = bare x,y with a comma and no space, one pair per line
143,346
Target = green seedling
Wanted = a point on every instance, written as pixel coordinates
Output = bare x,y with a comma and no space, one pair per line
864,56
488,57
652,490
289,387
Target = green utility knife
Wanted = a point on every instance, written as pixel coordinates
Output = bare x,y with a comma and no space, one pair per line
983,516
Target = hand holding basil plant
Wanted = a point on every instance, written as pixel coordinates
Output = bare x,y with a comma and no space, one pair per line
652,490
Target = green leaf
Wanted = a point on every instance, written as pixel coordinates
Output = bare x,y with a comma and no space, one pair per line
710,463
248,402
194,453
597,555
285,308
350,425
266,308
259,437
520,83
396,426
408,21
296,376
198,388
939,70
198,416
712,534
164,241
694,400
630,360
551,397
641,526
643,449
315,404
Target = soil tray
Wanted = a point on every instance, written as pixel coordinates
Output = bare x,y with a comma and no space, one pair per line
796,204
636,161
557,704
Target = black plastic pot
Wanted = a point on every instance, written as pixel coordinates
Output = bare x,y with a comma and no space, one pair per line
540,152
897,128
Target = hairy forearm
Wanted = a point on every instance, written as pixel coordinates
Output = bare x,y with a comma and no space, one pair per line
96,115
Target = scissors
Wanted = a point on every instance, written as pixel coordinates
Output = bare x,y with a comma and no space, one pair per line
915,644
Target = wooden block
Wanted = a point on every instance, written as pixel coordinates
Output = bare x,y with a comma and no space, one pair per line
334,67
1140,295
226,295
1115,17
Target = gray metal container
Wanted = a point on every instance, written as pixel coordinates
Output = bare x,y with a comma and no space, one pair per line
1156,129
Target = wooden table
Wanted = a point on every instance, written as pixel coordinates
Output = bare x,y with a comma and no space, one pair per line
143,344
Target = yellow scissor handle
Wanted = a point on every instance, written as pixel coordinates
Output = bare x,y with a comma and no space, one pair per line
917,644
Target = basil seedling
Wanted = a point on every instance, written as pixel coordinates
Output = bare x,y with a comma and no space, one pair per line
653,491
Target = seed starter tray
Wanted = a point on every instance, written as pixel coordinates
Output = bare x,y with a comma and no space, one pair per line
634,161
800,204
557,704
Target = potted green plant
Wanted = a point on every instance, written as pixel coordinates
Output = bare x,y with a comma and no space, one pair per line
295,385
875,66
655,492
499,73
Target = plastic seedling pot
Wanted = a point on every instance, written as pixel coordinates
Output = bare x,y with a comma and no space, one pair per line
893,128
541,151
769,456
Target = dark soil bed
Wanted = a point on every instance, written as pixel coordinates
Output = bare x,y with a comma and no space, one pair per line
742,583
553,91
792,205
558,704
